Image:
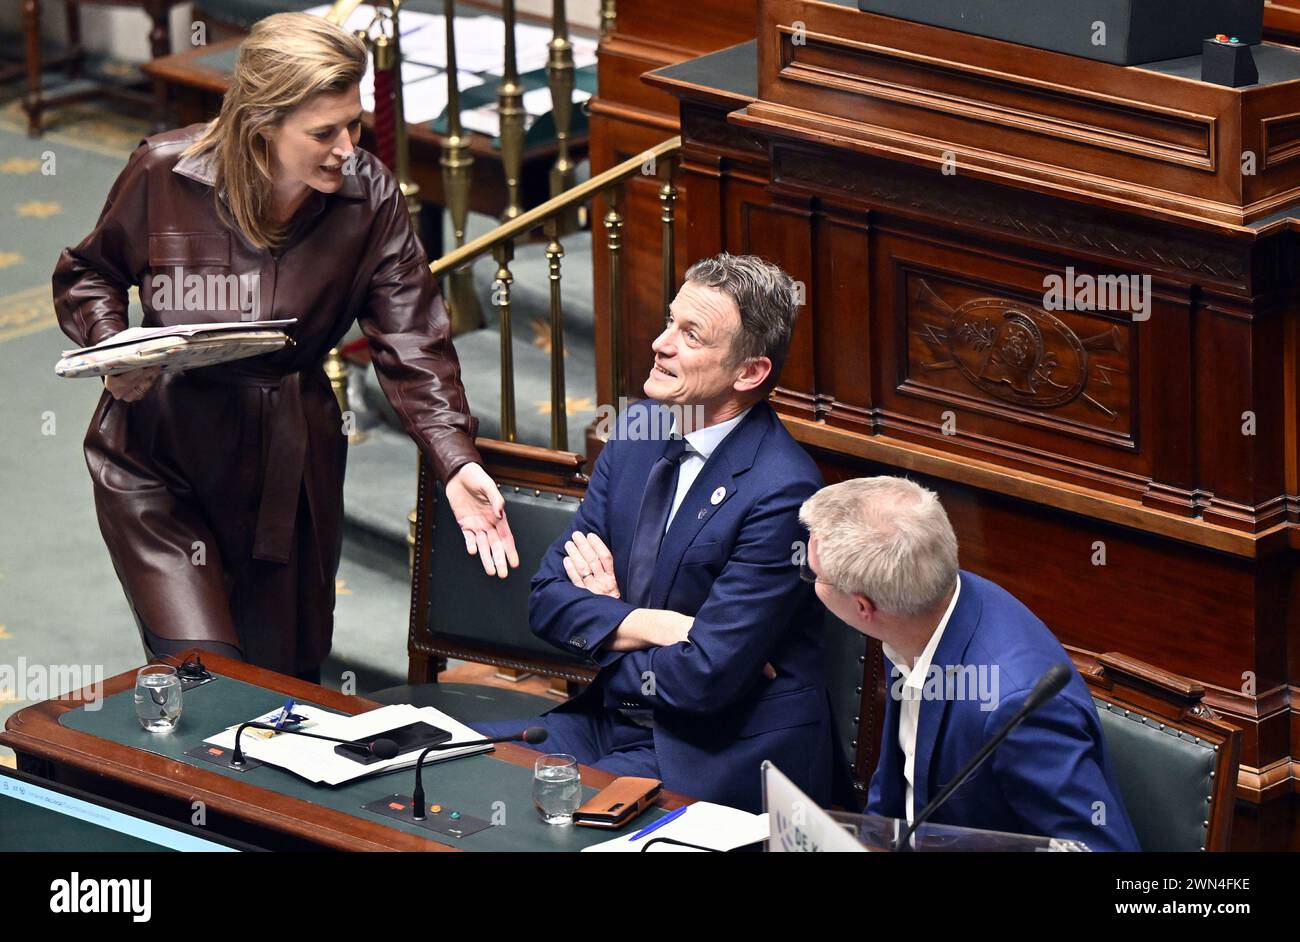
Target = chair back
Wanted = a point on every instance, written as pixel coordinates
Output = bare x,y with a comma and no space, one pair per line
1175,760
476,617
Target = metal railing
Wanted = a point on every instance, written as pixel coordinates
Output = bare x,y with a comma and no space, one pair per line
555,218
661,160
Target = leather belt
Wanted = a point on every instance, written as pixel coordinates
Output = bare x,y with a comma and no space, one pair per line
286,456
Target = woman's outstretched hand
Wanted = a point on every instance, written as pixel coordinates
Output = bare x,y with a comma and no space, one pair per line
481,513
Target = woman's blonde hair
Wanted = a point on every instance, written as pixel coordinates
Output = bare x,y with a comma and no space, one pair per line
286,59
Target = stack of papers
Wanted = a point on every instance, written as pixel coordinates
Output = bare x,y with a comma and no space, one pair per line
315,759
175,348
703,824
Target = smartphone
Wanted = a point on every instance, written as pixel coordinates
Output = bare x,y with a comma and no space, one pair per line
411,738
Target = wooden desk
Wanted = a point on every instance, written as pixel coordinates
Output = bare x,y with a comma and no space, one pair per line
235,808
196,89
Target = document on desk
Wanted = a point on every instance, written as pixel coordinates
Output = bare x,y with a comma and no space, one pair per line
703,824
316,760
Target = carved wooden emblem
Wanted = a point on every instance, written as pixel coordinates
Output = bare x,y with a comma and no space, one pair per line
1014,351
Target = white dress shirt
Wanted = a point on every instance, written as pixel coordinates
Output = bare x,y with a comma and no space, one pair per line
909,706
700,444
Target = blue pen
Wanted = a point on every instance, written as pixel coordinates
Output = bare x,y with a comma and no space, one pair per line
670,816
285,712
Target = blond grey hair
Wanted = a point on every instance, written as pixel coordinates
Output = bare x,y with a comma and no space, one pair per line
767,299
886,538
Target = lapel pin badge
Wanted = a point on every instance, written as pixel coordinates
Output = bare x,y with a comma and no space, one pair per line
718,496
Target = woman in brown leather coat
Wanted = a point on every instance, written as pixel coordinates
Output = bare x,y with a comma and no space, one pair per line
219,490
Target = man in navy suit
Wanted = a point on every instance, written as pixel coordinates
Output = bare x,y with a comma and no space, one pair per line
963,655
680,577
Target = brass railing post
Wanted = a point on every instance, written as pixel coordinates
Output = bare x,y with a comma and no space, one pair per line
608,16
668,207
457,164
560,78
410,189
503,254
559,401
614,244
337,371
510,107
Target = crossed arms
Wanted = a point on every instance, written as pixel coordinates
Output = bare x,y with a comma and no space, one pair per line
700,662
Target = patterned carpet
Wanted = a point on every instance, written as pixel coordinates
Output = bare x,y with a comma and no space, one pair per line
59,598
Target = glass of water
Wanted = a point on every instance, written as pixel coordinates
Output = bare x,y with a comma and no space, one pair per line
158,698
557,788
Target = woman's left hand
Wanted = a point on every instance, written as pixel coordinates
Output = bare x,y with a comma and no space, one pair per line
481,513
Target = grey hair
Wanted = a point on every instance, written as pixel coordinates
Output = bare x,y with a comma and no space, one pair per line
886,538
768,304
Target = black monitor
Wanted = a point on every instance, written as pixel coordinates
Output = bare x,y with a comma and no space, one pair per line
38,815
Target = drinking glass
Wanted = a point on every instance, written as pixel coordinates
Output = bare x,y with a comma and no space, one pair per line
557,788
158,698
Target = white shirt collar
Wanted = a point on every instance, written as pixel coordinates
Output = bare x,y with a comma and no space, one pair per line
915,676
705,441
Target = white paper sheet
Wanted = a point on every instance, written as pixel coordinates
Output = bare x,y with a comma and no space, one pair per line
538,101
136,334
704,823
316,760
424,91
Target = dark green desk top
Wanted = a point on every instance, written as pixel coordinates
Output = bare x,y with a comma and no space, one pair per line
1276,64
732,71
471,785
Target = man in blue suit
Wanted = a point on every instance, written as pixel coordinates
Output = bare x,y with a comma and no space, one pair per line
679,578
963,655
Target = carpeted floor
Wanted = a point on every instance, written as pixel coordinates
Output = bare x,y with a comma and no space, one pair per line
60,601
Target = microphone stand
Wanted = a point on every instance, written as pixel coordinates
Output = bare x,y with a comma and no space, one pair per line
1048,686
532,735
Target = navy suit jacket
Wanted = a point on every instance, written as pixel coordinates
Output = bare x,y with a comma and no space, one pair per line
730,565
1047,777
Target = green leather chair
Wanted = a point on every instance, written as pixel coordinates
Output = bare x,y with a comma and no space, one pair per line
1176,761
475,617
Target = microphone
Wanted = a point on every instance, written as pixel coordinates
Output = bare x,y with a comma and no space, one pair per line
380,748
532,735
1049,685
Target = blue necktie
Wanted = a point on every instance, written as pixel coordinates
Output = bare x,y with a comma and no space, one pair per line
656,502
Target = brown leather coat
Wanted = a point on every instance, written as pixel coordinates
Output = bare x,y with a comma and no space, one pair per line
220,492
